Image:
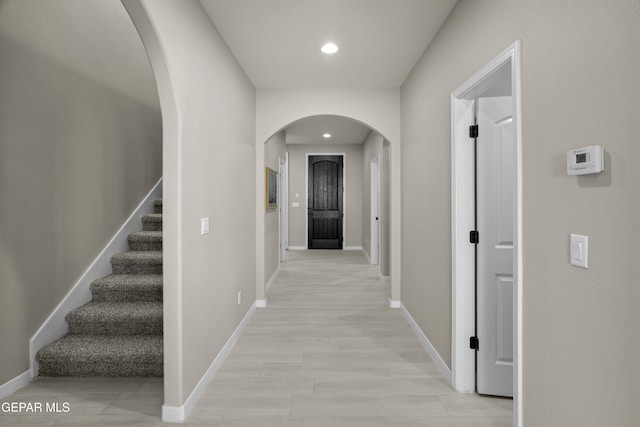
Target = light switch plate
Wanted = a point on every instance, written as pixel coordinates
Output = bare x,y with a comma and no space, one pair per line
579,249
204,226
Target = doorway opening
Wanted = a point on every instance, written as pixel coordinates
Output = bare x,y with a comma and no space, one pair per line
357,142
492,255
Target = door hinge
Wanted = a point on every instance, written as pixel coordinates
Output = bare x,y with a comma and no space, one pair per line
473,131
474,343
474,236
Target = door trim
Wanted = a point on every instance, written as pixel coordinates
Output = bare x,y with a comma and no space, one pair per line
462,220
344,196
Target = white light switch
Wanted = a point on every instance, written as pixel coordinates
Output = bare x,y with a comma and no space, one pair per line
204,226
579,247
295,204
297,195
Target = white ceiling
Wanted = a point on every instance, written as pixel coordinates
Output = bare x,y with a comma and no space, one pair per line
277,42
311,129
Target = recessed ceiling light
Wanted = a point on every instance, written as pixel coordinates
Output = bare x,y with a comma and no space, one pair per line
329,48
326,135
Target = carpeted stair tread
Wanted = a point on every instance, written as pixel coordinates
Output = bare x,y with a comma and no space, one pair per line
128,287
157,206
145,241
137,262
116,318
152,222
98,355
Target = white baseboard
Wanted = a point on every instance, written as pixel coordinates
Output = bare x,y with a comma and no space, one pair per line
385,279
261,303
15,384
297,248
352,248
272,279
178,414
366,255
395,303
442,366
55,326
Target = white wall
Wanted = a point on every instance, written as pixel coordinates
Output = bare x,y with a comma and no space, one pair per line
80,146
580,86
274,150
208,108
377,108
353,190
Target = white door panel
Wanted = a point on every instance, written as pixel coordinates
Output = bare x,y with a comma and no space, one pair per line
375,210
496,177
282,209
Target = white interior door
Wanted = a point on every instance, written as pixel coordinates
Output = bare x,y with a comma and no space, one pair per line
496,180
282,208
375,211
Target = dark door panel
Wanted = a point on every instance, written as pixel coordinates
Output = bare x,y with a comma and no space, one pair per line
325,204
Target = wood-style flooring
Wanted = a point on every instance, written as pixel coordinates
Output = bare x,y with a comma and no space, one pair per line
326,351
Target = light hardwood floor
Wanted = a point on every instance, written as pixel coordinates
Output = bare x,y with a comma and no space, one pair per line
327,351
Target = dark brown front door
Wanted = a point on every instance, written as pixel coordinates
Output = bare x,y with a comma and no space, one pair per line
325,202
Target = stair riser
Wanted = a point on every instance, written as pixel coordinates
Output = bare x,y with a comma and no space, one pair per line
145,246
127,296
157,206
150,327
136,268
151,226
98,369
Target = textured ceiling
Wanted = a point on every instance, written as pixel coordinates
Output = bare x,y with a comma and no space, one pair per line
277,42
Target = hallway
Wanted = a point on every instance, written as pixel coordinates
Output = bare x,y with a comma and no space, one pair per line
327,351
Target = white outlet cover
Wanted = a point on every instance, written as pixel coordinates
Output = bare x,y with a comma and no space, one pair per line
579,249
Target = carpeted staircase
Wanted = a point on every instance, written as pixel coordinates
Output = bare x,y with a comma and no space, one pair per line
118,333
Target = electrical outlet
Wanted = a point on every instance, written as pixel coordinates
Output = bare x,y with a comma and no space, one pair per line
239,297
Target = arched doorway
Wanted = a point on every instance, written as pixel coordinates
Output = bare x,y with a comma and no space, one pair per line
362,223
378,110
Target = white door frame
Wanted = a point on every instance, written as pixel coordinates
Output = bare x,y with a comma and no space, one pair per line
283,206
344,196
374,249
462,221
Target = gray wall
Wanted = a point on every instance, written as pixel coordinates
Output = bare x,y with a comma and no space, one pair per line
209,165
274,149
580,86
80,146
353,189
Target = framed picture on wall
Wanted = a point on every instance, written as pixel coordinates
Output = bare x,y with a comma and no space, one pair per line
272,189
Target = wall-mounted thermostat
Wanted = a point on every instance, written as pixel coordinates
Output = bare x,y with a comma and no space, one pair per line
586,160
